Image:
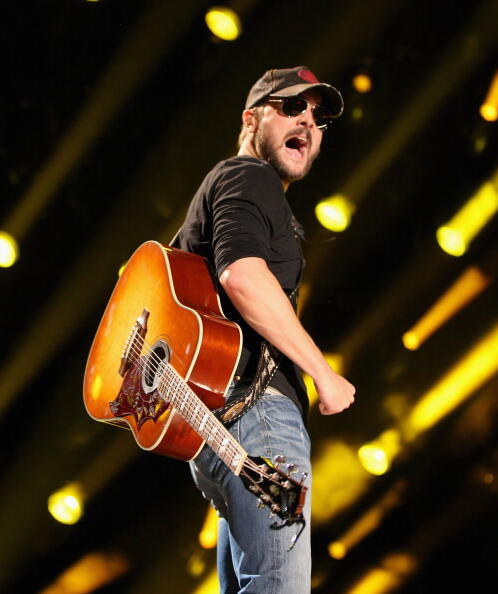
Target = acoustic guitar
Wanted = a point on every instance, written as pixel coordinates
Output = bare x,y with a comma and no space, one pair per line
162,360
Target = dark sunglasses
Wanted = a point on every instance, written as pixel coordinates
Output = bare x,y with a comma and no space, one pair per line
293,106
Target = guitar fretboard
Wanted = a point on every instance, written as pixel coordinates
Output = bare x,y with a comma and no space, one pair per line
175,390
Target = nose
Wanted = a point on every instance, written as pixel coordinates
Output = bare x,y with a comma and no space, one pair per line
306,118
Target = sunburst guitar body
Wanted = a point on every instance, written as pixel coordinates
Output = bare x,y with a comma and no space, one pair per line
184,328
162,360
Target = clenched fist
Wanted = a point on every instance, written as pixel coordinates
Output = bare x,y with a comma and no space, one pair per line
335,393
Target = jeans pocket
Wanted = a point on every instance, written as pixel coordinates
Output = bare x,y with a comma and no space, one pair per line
274,426
284,418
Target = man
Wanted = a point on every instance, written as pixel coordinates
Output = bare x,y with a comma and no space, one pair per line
240,220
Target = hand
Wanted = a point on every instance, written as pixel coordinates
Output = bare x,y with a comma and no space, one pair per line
335,393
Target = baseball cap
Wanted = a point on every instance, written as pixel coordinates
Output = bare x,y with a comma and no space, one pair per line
288,82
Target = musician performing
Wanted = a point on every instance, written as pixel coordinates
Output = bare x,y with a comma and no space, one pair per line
200,351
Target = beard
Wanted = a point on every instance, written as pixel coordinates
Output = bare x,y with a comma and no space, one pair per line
269,152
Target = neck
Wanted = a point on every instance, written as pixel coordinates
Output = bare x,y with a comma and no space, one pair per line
248,149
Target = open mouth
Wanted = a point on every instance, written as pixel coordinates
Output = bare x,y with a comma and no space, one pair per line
297,146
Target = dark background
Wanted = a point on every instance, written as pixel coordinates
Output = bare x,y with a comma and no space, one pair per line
112,112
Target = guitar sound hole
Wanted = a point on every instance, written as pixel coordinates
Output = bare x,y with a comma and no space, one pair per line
155,363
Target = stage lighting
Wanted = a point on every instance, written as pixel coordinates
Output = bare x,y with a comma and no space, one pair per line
66,504
362,82
456,235
376,457
9,250
489,107
335,213
224,23
208,536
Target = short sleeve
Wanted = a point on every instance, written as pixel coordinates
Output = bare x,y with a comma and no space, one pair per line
244,200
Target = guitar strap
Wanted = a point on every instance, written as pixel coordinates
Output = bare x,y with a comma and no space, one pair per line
269,360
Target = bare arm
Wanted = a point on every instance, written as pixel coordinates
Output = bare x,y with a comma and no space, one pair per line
259,298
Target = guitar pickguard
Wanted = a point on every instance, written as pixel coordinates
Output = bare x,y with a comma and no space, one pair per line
132,400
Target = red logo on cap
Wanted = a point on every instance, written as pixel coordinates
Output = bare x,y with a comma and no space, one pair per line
308,76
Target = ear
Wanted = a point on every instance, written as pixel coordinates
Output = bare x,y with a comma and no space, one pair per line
249,120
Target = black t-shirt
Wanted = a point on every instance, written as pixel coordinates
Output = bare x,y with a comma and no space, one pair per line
240,210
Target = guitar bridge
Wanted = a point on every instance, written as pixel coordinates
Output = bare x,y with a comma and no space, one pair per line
134,343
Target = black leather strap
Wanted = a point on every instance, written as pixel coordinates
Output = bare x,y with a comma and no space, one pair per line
269,360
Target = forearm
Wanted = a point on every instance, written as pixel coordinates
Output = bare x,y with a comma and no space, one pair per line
257,295
260,300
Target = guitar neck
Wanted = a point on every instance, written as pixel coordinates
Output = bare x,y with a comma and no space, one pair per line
175,390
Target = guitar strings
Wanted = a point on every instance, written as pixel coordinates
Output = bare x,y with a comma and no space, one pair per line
179,382
231,447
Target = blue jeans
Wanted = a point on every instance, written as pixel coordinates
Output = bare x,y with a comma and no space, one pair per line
252,557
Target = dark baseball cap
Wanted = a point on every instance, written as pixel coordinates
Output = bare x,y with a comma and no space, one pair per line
288,82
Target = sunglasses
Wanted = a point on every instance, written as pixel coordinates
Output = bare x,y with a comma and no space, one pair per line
293,106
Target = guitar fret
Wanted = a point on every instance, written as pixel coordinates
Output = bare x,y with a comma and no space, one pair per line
235,461
223,446
195,411
182,405
203,422
213,434
201,419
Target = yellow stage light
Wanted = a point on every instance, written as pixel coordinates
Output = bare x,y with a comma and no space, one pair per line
89,574
337,550
210,585
367,522
488,478
310,388
489,108
196,564
338,480
304,294
480,143
373,459
451,241
66,504
224,23
357,113
472,282
393,571
375,581
411,340
335,213
9,250
468,375
489,112
336,361
362,83
122,268
455,236
376,457
208,536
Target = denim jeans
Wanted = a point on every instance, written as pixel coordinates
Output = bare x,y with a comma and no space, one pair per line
252,557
